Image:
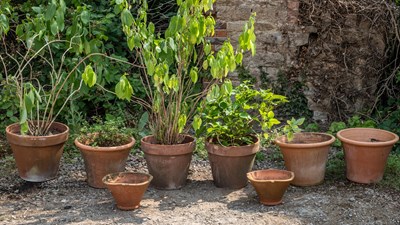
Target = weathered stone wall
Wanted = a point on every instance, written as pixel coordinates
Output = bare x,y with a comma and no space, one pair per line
338,60
278,35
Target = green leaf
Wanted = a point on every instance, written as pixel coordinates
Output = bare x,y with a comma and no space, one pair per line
123,89
193,74
143,120
50,12
196,122
89,76
172,44
119,2
207,48
181,122
54,27
126,17
205,65
131,43
85,17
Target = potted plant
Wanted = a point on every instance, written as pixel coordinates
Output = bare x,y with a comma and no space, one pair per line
105,147
304,153
229,118
36,140
172,64
366,151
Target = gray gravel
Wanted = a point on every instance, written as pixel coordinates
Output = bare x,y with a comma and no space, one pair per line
69,200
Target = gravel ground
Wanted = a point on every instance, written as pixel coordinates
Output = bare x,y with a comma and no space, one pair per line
69,200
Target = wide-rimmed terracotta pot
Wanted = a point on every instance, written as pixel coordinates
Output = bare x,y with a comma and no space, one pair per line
366,151
127,188
306,155
270,184
168,164
37,157
100,161
229,165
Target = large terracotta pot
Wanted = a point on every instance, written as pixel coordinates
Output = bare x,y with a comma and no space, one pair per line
366,151
229,165
127,188
37,157
270,184
306,155
100,161
168,164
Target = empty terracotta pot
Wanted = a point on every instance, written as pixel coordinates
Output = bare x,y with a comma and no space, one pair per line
230,164
100,161
37,157
168,164
306,155
270,184
366,151
127,188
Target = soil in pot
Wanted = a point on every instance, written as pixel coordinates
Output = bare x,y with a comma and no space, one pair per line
270,184
168,164
306,155
229,165
127,188
37,157
366,151
100,161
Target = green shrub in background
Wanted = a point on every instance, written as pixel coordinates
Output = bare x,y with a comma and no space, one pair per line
93,27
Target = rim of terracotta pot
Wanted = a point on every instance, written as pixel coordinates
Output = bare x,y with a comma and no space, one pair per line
342,137
282,140
104,149
217,149
107,179
151,138
149,146
12,130
285,172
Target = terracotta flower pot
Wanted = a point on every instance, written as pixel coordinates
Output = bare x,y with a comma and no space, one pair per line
127,188
229,165
37,157
306,155
168,164
270,184
100,161
366,151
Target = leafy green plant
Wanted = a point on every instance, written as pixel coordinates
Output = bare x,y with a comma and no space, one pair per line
172,63
231,116
108,133
354,121
292,126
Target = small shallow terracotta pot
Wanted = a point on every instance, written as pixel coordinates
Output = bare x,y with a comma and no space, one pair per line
229,165
306,155
168,164
127,188
366,151
270,184
37,157
100,161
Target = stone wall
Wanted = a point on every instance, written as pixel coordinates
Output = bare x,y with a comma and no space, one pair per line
278,35
338,82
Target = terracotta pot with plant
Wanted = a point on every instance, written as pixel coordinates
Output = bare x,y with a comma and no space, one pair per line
105,147
37,141
229,118
305,153
366,151
172,67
